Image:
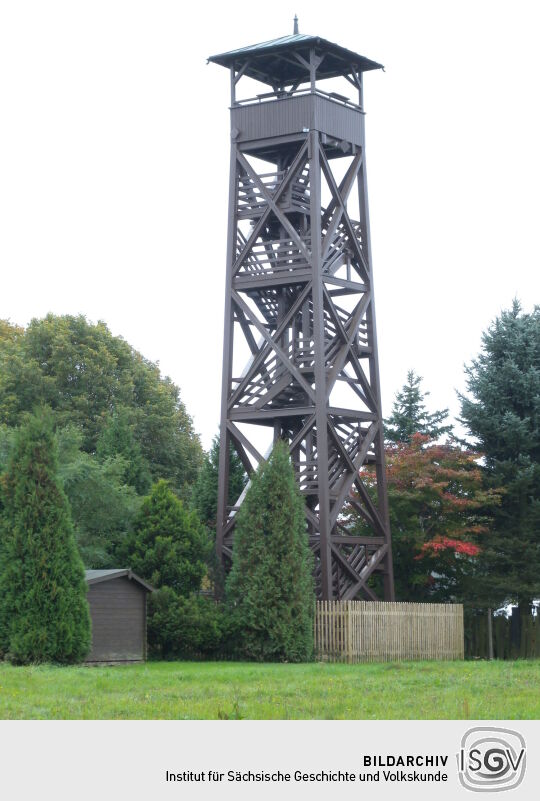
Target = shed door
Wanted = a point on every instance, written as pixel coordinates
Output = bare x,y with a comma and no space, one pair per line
117,608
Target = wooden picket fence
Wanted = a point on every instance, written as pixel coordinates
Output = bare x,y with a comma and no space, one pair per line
372,631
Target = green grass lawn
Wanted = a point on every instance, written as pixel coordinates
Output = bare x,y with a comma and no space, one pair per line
186,690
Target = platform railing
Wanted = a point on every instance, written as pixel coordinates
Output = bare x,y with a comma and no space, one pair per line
266,97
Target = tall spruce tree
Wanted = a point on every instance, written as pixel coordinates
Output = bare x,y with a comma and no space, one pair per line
410,416
270,587
44,614
502,412
205,491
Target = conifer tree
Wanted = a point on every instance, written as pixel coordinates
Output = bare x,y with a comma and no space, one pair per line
502,412
169,549
205,491
270,587
44,614
410,416
170,544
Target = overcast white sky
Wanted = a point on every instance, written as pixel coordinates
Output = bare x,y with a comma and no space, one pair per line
114,137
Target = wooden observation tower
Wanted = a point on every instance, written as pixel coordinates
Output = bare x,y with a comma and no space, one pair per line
299,306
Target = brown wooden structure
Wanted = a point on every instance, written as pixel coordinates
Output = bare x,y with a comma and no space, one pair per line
360,631
300,304
117,600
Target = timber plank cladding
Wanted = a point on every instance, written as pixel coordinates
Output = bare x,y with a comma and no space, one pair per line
117,601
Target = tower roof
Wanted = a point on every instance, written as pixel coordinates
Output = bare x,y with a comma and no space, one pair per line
271,62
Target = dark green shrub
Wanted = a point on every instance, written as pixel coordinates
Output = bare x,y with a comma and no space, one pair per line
193,627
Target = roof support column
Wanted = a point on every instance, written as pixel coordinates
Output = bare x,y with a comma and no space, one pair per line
320,366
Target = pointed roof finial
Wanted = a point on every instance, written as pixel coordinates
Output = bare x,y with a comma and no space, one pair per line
295,29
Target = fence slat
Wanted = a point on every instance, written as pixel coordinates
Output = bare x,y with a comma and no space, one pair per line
367,631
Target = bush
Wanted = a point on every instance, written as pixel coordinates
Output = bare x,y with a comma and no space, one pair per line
179,627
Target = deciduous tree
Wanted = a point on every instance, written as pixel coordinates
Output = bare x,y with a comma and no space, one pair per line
96,381
103,505
439,518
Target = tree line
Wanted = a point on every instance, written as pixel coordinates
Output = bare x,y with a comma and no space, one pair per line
116,462
100,467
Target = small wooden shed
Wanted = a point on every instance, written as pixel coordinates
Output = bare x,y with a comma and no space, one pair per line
117,600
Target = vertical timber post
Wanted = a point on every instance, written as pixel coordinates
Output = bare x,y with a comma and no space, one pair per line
320,366
380,464
228,345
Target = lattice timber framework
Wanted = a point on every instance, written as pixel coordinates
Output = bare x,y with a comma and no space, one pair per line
300,308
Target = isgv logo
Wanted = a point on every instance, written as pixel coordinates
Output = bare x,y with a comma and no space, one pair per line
491,759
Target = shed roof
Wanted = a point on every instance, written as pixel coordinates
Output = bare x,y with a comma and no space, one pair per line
96,576
271,62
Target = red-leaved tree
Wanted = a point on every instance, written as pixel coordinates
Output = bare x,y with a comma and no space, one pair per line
439,516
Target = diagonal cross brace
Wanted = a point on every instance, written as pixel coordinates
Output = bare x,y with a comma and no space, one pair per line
293,169
349,479
238,437
344,216
346,348
372,509
367,396
272,204
366,572
268,347
308,389
340,196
